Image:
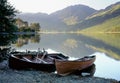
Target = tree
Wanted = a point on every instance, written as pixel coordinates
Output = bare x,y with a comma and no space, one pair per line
35,26
20,23
7,13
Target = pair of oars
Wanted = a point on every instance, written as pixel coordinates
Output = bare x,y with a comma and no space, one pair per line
41,59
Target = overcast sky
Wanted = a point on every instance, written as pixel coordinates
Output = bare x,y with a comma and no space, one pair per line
49,6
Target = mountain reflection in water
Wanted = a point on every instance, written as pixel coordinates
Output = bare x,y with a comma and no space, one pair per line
75,46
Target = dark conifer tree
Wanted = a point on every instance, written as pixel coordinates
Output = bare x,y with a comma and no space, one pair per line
7,13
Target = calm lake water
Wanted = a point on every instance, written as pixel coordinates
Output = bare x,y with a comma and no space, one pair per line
106,47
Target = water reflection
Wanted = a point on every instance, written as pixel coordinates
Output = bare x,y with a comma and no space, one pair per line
107,43
70,44
106,67
65,43
26,39
6,40
90,71
18,40
74,45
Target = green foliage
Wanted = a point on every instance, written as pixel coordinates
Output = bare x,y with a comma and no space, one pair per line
114,29
111,25
102,17
35,26
113,9
24,27
71,20
7,13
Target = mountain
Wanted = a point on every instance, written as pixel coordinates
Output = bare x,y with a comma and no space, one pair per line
46,22
111,25
111,10
108,17
78,17
73,14
59,20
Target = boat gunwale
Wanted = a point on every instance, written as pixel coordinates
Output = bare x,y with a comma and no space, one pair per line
13,56
78,60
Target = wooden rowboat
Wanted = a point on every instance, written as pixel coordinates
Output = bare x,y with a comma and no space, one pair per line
41,61
65,67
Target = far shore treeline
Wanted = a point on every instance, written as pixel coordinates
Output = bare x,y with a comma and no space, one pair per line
10,24
24,26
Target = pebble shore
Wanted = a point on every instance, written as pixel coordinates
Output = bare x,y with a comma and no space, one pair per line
8,75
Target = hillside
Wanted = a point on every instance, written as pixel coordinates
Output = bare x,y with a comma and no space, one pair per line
103,20
59,20
78,17
112,9
46,22
111,25
73,14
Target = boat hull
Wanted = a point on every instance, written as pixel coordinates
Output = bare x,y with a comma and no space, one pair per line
20,64
65,67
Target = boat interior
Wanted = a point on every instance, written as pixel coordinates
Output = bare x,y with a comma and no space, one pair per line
38,58
34,58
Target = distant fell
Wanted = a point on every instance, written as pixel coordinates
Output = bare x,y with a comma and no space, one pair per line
59,20
77,17
112,10
100,16
73,14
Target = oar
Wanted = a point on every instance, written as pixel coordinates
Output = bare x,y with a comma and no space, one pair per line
41,59
27,59
44,53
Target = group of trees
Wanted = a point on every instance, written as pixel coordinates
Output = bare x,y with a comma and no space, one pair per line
9,24
23,26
